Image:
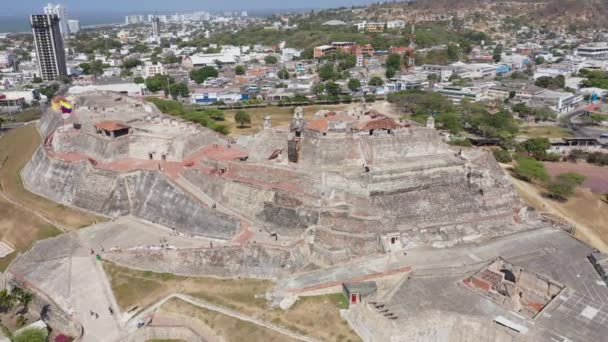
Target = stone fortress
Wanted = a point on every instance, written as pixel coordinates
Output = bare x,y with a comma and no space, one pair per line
429,242
342,185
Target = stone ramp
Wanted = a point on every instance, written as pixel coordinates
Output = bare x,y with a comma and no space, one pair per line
329,279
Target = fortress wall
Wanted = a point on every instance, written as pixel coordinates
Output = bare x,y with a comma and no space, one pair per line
141,145
96,189
94,146
155,199
409,180
407,142
323,151
152,197
256,261
203,137
342,221
243,198
265,143
342,181
332,246
49,121
53,178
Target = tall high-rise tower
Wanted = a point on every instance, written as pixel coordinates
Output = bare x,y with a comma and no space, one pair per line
49,46
156,26
60,11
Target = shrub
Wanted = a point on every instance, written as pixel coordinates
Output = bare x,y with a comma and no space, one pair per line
21,321
31,335
564,185
571,177
551,157
598,158
242,117
461,142
529,169
502,156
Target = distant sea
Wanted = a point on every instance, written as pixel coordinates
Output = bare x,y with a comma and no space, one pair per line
22,23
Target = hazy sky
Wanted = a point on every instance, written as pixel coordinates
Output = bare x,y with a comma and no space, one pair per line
18,7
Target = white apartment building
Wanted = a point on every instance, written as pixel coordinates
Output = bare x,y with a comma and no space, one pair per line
73,26
593,51
60,11
395,24
150,69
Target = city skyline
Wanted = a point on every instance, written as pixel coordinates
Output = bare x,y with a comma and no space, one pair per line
27,7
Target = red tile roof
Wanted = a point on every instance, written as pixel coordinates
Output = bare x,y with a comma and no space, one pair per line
383,123
320,124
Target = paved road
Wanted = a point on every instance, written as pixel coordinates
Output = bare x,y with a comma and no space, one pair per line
581,130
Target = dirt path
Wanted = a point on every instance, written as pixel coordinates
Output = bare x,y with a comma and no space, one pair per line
586,231
222,310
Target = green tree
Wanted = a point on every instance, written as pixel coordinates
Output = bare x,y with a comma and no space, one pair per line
450,122
529,169
31,335
354,84
327,72
270,59
319,88
179,90
158,83
393,61
564,184
376,81
131,63
452,52
37,80
283,74
332,88
536,147
239,70
390,73
200,75
497,53
502,156
139,80
242,117
140,48
539,60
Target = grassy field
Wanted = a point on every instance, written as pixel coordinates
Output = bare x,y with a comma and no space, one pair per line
281,116
27,115
315,316
16,149
550,132
19,228
229,328
585,210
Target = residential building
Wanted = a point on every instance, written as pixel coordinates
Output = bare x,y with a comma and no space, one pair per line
150,69
370,26
457,93
558,101
377,27
592,51
132,19
73,26
113,85
49,46
156,27
209,59
60,12
323,50
395,24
